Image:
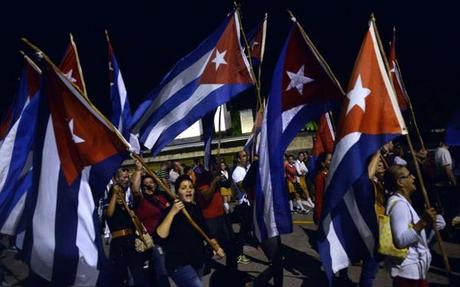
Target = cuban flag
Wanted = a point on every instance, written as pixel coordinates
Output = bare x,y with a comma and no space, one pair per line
70,66
301,90
76,152
324,142
256,39
121,111
16,159
396,76
200,82
370,118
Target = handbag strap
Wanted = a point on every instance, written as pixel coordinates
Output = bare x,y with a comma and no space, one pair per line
136,222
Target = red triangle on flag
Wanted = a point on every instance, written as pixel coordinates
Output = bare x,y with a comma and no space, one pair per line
227,63
82,137
370,105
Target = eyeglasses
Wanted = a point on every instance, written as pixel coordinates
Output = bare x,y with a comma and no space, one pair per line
406,176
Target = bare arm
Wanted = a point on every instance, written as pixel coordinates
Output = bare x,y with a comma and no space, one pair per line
450,174
165,226
136,181
110,210
207,194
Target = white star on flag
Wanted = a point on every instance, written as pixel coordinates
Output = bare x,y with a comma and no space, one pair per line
358,95
219,59
75,138
68,75
298,80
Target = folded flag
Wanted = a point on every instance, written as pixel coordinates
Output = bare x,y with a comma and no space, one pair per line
70,66
208,77
256,39
121,111
301,90
396,77
370,117
16,150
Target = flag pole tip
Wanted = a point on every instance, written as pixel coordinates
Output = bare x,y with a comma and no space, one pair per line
372,17
291,15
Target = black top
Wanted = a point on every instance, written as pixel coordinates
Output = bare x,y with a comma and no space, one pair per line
120,219
184,246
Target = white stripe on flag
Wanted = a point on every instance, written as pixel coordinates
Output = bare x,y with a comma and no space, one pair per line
44,218
171,88
122,93
87,272
11,223
266,183
288,115
6,152
179,112
358,220
339,257
340,151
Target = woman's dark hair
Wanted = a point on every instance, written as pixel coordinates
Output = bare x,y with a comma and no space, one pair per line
391,177
180,179
204,178
321,159
145,177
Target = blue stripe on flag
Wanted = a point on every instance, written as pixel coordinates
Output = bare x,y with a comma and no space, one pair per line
197,111
66,252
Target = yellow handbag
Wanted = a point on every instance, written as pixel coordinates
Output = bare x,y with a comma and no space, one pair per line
386,245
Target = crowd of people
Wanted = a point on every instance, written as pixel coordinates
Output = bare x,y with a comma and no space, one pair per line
218,197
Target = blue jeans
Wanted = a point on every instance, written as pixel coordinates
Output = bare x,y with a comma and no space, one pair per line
158,273
368,272
187,276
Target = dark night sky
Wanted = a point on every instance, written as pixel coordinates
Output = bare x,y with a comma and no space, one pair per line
149,37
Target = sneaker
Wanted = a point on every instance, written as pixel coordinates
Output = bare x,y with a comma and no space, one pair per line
242,259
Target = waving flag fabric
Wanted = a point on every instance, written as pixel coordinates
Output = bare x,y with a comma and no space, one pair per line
70,66
256,39
76,153
301,90
395,71
15,162
203,80
370,118
121,111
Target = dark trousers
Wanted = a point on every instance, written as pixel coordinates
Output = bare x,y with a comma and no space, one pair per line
243,214
157,269
124,256
272,249
220,227
187,276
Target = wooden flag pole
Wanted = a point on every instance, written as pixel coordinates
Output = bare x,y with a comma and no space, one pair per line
78,65
417,166
173,197
404,90
248,54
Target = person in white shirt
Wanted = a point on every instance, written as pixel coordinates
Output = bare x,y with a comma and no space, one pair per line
443,163
244,207
302,172
408,229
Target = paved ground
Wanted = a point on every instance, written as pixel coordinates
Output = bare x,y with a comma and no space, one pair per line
302,266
